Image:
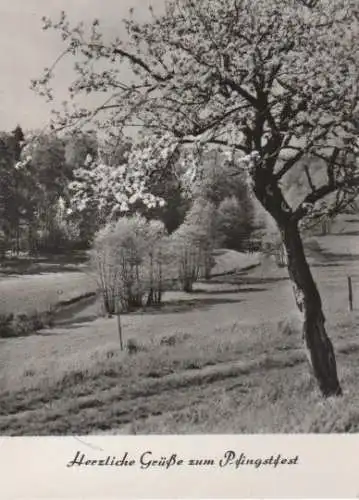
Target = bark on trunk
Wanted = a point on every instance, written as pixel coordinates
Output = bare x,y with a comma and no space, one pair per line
317,344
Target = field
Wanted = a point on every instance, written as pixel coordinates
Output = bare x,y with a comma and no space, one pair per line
28,286
224,359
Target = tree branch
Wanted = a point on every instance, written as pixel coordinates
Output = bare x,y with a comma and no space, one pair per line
302,151
331,163
240,90
320,193
134,59
309,177
219,142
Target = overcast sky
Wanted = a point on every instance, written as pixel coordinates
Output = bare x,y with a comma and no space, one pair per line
25,50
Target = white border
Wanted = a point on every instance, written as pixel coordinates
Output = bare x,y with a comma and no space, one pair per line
36,467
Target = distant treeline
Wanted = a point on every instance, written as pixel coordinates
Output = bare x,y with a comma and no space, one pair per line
35,199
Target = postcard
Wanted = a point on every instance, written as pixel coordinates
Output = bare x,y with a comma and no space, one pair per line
179,248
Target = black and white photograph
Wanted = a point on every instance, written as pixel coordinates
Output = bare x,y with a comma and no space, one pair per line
179,217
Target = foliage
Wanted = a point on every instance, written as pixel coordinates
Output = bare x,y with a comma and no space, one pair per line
115,188
80,146
219,181
248,90
35,200
194,241
235,79
187,255
128,257
268,236
203,229
45,176
167,186
34,177
236,224
20,325
10,192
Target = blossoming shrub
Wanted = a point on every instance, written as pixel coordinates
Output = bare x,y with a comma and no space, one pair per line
128,258
194,242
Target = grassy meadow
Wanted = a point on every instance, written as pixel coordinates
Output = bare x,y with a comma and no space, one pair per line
225,359
38,285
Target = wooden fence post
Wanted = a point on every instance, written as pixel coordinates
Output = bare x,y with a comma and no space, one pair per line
119,326
350,293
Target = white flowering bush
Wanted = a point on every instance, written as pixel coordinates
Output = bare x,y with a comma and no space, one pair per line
116,188
128,258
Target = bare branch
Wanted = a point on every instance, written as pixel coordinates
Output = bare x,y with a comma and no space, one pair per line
321,193
309,177
303,151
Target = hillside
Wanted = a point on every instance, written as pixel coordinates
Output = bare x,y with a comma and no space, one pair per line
221,359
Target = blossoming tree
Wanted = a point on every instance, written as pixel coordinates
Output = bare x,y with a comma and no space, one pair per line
275,77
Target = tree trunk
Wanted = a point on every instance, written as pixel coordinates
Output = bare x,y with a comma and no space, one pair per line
159,286
207,265
17,237
318,346
187,284
150,297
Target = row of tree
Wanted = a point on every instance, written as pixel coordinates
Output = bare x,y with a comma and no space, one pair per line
40,176
136,260
34,196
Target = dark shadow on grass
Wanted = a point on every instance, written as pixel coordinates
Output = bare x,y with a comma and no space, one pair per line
334,257
43,264
251,280
219,252
326,264
349,349
76,322
20,335
236,271
180,306
229,291
39,270
65,311
70,324
346,233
